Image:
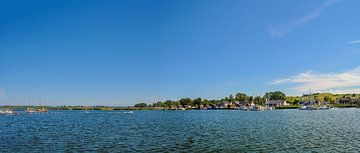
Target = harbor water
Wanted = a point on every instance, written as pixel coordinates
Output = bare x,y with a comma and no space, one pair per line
334,130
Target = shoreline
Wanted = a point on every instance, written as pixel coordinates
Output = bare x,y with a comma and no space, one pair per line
115,108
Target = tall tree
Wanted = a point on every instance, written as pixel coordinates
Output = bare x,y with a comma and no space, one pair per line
231,98
241,97
276,95
259,100
140,105
185,101
197,102
168,103
205,102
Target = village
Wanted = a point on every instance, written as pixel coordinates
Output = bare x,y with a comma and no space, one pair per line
270,101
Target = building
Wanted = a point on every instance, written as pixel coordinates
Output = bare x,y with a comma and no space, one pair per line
344,100
276,103
310,102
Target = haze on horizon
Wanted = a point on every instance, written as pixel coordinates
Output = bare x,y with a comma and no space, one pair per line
123,52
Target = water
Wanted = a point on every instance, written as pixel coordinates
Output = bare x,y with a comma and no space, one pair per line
335,130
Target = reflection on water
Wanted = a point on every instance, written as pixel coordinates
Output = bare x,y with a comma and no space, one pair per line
335,130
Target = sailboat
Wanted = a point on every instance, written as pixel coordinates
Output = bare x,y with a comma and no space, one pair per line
5,111
34,110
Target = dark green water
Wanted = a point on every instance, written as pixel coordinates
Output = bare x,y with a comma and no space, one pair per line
335,130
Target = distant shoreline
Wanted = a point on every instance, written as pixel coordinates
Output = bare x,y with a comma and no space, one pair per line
114,108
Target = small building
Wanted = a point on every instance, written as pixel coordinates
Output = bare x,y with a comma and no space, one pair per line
229,105
310,102
225,104
276,103
344,100
240,103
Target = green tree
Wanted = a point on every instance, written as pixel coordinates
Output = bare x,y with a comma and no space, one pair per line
213,103
296,101
168,103
329,99
259,100
197,102
241,97
276,95
140,105
250,98
205,102
185,101
231,98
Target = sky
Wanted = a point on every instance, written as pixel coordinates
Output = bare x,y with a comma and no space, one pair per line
123,52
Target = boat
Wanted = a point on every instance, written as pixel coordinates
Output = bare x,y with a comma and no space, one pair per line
324,107
6,111
253,107
308,108
42,110
129,112
33,110
269,108
30,110
244,108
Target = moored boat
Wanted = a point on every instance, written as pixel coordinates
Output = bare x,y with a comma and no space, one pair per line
33,110
308,108
6,111
324,107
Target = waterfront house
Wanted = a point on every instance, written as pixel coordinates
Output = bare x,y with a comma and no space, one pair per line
240,103
225,104
311,102
276,103
356,101
230,105
344,100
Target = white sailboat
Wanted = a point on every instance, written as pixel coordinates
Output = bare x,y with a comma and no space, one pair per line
5,111
34,110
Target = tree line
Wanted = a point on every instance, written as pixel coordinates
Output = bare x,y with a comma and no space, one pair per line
197,102
245,99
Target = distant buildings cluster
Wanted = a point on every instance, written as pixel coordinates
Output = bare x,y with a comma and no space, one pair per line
269,100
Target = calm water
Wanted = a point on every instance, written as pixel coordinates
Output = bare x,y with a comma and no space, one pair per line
336,130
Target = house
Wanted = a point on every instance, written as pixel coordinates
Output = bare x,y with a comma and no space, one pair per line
225,104
241,103
229,105
356,101
344,100
276,103
310,102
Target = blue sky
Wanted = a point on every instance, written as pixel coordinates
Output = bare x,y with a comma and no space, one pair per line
124,52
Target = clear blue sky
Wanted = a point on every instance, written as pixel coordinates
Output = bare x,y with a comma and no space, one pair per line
123,52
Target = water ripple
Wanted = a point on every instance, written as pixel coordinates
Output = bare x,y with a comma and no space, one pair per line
335,130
